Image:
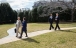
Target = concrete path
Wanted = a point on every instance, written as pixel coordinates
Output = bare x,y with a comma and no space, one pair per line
11,37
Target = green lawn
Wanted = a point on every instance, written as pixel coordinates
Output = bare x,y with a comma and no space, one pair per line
45,26
33,27
57,39
4,28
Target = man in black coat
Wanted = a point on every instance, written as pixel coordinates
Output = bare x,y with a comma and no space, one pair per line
51,21
24,27
57,21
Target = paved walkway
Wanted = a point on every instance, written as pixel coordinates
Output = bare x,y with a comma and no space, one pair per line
11,37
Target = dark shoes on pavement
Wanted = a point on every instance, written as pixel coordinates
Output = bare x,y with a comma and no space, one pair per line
52,28
58,29
21,37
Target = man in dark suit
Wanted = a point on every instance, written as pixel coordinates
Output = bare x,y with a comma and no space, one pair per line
24,27
57,21
51,21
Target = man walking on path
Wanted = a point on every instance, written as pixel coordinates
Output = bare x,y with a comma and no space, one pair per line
18,24
24,27
57,21
51,21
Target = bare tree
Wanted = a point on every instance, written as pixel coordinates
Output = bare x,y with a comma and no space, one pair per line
64,4
71,4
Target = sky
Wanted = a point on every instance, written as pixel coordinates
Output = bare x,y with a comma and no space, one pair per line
19,4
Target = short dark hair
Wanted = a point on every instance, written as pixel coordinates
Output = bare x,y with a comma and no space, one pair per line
56,13
24,18
50,13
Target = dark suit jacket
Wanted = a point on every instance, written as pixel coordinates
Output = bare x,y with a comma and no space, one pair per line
57,19
24,24
51,20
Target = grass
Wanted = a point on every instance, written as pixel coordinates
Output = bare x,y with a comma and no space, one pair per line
4,28
57,39
33,27
45,26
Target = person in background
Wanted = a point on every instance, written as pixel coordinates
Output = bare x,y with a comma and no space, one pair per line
57,21
51,21
24,27
18,24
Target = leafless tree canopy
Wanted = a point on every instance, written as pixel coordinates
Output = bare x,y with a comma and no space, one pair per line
50,5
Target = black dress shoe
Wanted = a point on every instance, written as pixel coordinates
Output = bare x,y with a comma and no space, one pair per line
26,36
55,29
16,36
49,29
20,37
59,29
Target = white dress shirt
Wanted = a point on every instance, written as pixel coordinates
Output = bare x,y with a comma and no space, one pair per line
51,17
17,22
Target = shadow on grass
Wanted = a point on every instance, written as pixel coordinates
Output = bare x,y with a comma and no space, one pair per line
30,40
68,31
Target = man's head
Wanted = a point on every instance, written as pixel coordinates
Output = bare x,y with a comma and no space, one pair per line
56,14
18,18
51,14
24,18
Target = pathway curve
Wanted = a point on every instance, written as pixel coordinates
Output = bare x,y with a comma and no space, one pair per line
11,37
